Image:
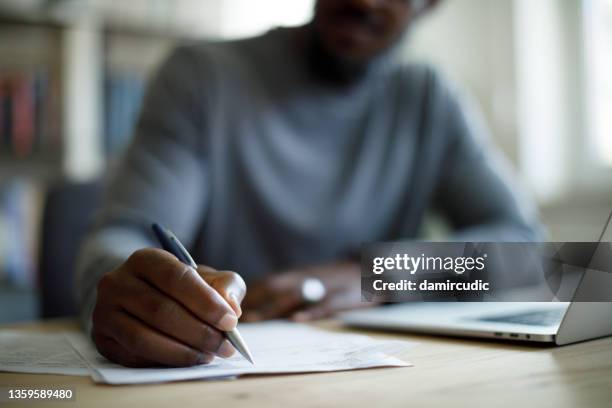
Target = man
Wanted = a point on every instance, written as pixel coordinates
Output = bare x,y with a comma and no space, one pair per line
276,157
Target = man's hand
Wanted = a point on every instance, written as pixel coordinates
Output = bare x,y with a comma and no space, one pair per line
154,310
280,296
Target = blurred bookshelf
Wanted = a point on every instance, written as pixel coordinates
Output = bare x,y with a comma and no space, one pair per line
71,84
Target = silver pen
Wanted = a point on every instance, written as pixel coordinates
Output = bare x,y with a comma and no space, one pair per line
233,336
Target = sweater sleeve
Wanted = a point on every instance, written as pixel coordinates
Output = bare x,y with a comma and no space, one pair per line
477,190
150,185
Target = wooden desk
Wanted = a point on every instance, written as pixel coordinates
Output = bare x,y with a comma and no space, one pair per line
447,373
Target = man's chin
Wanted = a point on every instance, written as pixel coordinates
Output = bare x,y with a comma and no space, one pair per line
341,57
349,55
350,51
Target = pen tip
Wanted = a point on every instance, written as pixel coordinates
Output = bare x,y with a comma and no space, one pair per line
247,355
239,344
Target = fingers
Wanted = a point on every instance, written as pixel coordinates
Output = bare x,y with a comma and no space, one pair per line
182,283
114,351
334,303
171,318
154,310
229,285
272,299
280,305
317,312
254,299
144,343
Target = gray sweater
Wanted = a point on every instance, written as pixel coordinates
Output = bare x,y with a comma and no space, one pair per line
258,164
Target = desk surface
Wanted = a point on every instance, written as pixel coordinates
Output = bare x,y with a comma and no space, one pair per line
447,372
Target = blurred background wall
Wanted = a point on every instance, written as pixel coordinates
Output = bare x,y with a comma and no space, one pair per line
542,73
72,74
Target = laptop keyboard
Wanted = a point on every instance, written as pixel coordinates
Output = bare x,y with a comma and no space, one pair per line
537,318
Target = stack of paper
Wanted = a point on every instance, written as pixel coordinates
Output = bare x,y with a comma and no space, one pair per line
24,352
277,347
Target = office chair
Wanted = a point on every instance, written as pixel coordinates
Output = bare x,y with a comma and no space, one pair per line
68,213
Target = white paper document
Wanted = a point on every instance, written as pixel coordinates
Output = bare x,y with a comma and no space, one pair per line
277,347
29,352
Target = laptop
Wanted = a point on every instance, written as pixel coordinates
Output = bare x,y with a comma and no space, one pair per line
557,323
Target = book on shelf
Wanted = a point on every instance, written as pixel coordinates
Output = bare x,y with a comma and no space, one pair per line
20,212
24,104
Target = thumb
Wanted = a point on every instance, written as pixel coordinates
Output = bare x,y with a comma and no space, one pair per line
229,285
